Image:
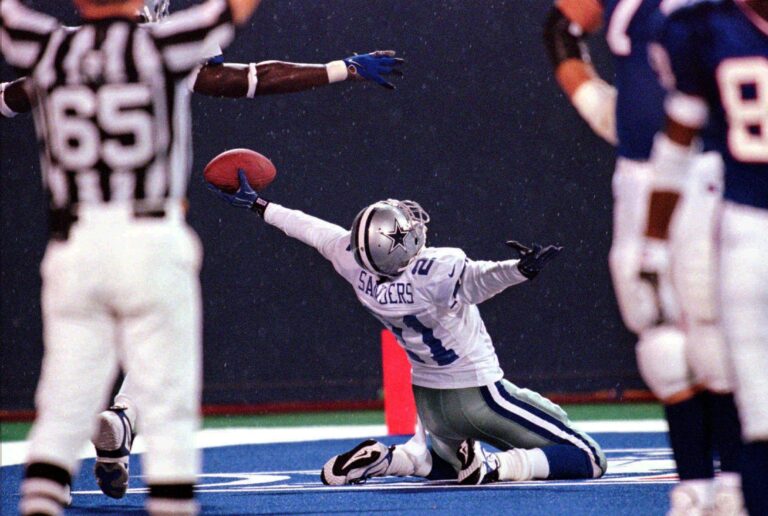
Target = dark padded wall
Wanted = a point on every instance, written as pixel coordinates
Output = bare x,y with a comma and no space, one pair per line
477,132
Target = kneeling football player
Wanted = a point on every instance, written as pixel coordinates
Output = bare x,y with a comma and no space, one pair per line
428,297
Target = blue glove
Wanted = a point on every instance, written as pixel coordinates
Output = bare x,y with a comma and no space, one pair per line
374,65
533,259
244,197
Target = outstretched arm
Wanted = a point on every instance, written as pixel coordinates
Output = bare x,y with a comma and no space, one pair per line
481,280
269,77
564,30
247,80
311,230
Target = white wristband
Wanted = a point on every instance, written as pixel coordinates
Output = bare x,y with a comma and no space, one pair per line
253,80
337,71
595,100
687,110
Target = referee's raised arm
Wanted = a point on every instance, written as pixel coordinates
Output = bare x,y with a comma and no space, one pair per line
184,36
24,34
241,9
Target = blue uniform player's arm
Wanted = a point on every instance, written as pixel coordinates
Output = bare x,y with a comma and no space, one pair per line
676,61
564,30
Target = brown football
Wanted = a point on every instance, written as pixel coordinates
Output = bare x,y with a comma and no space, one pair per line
221,171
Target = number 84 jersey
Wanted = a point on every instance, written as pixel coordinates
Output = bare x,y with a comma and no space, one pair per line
717,69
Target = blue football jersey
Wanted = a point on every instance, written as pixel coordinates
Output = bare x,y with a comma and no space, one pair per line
630,26
718,53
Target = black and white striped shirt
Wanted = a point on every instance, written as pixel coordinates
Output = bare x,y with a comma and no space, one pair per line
112,111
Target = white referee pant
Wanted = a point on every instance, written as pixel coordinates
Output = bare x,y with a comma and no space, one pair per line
744,311
122,291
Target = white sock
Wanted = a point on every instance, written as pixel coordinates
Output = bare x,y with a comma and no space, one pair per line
728,497
401,465
408,461
728,480
519,464
701,489
413,457
540,463
171,507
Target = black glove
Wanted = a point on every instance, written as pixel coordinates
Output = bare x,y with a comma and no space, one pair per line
533,259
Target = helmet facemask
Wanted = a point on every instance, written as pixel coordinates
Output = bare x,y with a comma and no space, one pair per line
155,10
387,236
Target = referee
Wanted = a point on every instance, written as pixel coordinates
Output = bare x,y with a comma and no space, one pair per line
120,274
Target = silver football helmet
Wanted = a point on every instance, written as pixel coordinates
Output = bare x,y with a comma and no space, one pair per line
387,236
155,10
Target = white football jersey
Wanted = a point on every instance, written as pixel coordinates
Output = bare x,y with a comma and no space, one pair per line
431,307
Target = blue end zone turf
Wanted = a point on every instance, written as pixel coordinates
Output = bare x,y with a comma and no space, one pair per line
284,479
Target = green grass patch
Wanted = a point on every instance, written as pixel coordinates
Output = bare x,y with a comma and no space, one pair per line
628,411
11,431
357,417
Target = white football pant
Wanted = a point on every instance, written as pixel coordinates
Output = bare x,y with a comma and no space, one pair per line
122,291
743,278
693,262
638,301
661,347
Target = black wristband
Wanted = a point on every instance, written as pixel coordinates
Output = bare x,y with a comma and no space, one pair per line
259,206
561,43
527,271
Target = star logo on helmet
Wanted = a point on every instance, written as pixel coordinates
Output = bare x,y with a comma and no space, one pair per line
397,236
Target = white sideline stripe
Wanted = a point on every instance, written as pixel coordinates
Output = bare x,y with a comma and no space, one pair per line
15,452
639,426
12,453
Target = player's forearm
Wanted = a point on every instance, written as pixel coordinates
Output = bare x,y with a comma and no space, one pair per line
231,80
234,80
311,230
593,98
482,280
14,98
282,77
564,29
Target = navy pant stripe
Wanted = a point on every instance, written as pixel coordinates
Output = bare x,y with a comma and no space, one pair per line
538,413
547,417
